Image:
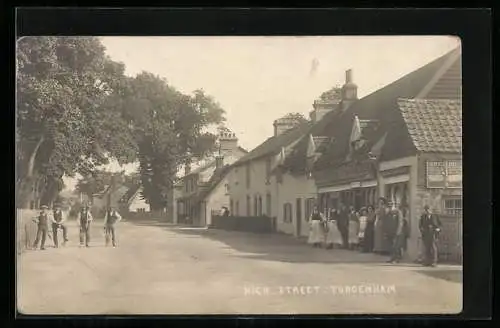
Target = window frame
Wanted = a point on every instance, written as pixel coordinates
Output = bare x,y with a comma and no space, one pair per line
287,212
454,210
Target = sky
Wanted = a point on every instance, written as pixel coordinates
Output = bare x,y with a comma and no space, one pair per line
259,79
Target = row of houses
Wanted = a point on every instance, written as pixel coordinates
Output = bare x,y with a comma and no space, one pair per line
402,142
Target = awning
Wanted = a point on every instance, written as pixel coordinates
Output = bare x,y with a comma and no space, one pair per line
348,186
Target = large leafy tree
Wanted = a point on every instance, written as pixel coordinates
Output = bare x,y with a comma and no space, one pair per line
170,130
69,112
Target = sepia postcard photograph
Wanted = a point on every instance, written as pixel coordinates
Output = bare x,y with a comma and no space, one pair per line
188,175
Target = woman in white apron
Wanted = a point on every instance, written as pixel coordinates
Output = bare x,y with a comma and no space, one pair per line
316,230
353,229
363,220
333,237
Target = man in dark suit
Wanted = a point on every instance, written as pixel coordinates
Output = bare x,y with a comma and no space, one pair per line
430,226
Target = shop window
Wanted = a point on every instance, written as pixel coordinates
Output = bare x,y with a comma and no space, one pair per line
287,212
453,206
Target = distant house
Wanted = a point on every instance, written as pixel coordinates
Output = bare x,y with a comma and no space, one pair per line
204,189
132,201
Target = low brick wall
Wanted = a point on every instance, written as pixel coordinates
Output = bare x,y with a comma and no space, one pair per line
258,224
25,229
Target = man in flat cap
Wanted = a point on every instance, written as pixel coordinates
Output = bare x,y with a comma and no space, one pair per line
430,226
43,219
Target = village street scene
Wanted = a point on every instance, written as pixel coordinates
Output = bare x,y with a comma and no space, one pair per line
239,175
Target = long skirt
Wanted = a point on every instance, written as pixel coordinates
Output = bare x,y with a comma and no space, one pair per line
368,237
353,232
316,233
333,235
378,240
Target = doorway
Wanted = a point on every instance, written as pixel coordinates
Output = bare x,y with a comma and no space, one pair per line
298,215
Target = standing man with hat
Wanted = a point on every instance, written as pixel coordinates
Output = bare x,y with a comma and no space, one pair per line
59,219
111,218
430,226
43,226
84,220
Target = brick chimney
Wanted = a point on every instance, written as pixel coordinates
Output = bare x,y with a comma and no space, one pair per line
349,90
284,124
219,162
329,101
228,142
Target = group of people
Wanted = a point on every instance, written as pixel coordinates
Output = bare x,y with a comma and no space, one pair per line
384,230
57,220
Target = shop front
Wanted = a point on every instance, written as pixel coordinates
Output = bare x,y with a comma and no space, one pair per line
352,184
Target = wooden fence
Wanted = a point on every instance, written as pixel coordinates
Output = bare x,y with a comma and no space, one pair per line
258,224
450,242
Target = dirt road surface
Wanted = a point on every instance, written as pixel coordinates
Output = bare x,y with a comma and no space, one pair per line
160,269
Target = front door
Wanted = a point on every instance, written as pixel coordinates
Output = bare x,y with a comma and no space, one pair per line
298,215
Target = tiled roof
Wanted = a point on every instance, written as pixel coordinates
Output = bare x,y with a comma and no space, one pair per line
273,144
214,181
382,106
434,125
130,193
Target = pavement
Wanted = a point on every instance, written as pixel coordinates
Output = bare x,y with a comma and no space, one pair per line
164,269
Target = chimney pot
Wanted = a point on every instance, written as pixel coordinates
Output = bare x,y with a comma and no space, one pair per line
348,76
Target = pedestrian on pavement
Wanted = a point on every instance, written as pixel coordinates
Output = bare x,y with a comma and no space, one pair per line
43,219
333,238
343,225
84,221
430,226
395,234
353,231
111,218
378,238
363,221
59,223
369,234
388,227
316,232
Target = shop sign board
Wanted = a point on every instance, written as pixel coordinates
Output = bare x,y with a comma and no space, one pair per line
444,174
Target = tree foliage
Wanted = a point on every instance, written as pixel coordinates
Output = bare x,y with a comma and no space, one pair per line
69,117
76,110
169,128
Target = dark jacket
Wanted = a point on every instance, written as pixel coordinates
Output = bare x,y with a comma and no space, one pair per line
428,225
343,219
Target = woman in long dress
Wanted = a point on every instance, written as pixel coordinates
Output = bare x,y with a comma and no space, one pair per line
333,238
363,218
316,230
353,229
368,240
378,241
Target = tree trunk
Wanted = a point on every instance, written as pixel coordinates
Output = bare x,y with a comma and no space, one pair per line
31,162
27,182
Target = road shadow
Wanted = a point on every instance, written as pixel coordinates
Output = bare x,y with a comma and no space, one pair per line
269,246
444,274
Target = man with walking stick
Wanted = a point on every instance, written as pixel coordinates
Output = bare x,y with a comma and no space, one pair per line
430,226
